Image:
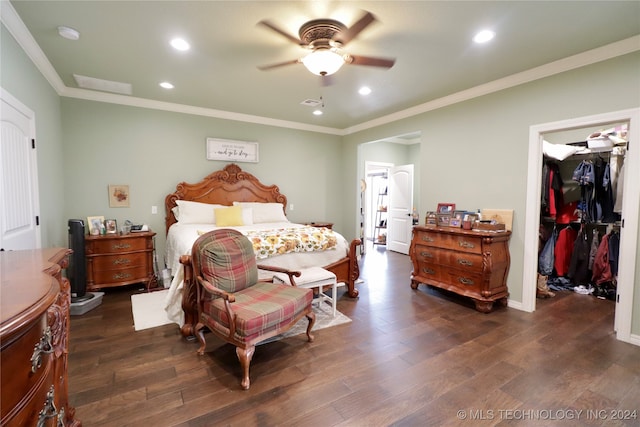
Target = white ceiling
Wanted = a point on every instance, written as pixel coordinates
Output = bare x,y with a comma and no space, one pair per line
436,60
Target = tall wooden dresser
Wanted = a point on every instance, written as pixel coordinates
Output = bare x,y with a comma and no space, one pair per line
118,260
34,336
471,263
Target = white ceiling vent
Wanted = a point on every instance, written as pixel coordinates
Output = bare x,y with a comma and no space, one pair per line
103,85
311,102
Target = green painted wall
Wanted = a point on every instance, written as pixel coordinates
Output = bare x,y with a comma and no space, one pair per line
22,80
152,151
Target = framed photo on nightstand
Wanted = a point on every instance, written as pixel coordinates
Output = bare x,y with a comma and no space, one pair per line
95,224
111,225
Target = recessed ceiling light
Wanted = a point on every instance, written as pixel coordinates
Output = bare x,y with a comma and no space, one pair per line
68,33
317,112
180,44
166,85
484,36
364,90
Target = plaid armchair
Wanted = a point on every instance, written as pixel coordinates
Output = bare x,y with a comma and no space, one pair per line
234,304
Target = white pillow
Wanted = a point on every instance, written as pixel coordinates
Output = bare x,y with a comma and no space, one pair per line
265,212
247,216
196,212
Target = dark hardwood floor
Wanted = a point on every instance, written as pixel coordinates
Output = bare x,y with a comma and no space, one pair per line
408,358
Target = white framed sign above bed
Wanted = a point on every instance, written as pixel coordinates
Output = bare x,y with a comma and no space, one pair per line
230,150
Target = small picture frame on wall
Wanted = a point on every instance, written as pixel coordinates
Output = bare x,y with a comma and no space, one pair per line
111,226
118,196
95,224
446,208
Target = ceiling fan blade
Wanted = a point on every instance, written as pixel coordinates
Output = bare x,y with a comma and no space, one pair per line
351,32
278,64
283,33
370,61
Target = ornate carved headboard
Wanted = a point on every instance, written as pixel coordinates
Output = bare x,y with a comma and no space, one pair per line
223,187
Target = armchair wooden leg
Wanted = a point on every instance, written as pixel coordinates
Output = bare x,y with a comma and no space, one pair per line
312,320
199,333
244,356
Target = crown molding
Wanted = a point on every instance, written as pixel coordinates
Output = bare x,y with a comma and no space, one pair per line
613,50
23,37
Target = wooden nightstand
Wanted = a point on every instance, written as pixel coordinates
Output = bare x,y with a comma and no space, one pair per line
328,225
118,260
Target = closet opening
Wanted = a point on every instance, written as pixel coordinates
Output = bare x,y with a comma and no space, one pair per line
563,135
581,211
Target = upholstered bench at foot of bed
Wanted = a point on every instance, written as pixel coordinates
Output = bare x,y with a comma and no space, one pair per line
314,277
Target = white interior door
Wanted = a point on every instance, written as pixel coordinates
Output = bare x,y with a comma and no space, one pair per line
400,218
18,176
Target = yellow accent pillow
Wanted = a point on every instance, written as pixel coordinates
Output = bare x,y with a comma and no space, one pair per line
229,217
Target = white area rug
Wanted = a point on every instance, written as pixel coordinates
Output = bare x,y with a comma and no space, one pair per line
148,310
324,319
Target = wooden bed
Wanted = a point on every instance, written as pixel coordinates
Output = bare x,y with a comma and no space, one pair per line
224,187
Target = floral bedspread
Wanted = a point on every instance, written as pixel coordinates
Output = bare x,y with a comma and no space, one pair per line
280,241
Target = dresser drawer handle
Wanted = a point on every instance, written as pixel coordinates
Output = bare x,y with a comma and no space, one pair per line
465,262
426,254
121,261
465,244
429,271
428,239
49,411
465,281
43,347
122,276
119,246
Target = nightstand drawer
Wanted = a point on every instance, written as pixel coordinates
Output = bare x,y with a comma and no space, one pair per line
130,275
114,246
117,262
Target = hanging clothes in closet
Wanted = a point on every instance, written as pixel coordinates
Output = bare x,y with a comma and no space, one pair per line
563,250
579,271
605,266
596,195
552,197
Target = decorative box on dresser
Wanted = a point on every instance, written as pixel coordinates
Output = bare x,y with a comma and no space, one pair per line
119,259
34,336
471,263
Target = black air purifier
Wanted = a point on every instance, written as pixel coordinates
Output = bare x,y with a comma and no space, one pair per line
77,270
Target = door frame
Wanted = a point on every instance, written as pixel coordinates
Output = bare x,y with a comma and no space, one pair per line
630,213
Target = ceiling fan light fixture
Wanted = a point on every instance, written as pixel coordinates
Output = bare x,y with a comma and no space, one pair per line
323,62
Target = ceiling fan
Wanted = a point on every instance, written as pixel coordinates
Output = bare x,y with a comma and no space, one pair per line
326,38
